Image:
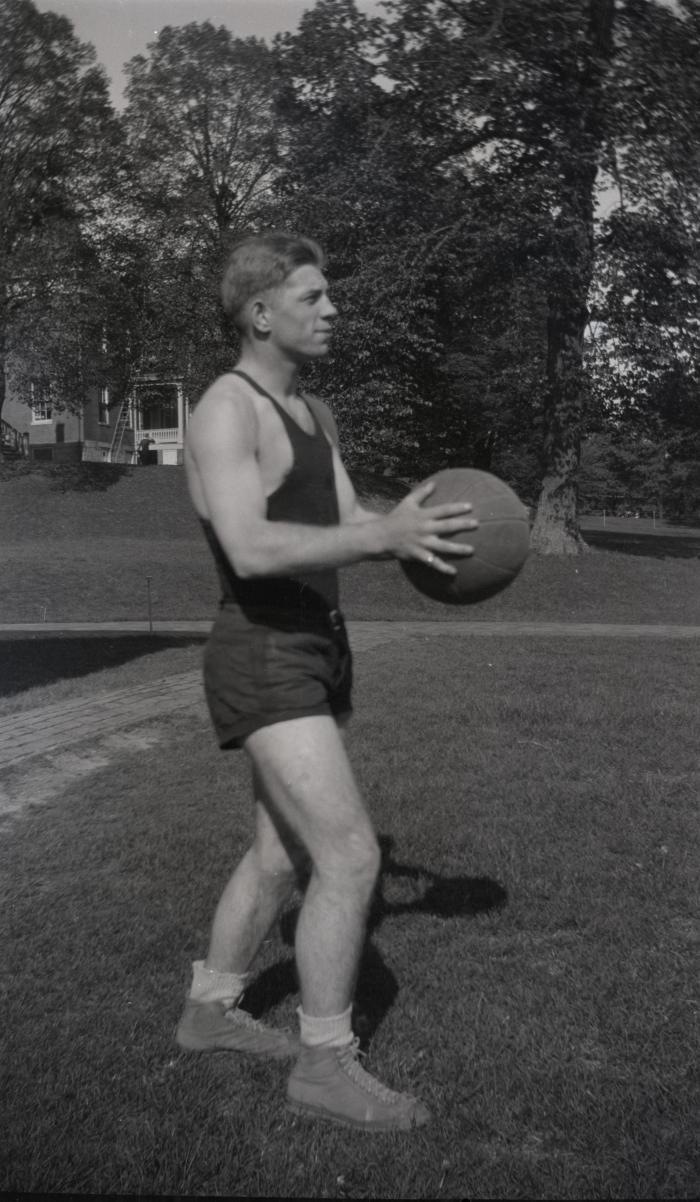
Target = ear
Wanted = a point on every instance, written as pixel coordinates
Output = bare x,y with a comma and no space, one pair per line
260,317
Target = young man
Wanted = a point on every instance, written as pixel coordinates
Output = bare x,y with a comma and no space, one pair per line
281,516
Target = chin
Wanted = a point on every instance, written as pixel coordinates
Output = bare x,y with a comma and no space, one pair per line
309,353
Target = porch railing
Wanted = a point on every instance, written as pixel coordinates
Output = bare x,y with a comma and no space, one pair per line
11,440
159,436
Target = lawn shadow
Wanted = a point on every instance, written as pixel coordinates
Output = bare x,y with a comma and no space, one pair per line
684,545
28,663
86,476
424,892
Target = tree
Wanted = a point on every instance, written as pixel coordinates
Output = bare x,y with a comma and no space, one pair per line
359,177
203,143
338,182
432,196
644,355
515,117
470,180
57,134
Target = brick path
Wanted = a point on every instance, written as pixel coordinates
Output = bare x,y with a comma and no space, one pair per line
39,731
35,732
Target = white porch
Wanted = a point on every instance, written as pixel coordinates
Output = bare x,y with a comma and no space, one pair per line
153,401
169,443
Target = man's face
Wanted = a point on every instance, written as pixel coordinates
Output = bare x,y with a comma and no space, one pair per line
300,315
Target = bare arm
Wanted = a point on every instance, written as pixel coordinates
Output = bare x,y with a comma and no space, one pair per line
224,471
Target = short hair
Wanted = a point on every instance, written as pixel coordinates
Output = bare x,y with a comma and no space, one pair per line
263,261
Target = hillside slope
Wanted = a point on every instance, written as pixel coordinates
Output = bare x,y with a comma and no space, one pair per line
96,500
92,542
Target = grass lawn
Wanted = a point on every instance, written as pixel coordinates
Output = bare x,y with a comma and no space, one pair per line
87,554
531,970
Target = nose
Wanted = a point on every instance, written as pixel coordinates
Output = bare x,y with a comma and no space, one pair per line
329,309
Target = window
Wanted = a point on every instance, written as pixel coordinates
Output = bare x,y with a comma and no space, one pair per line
103,406
42,410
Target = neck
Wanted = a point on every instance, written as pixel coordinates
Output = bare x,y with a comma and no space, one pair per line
278,377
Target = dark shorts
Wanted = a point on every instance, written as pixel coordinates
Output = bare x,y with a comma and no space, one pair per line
273,668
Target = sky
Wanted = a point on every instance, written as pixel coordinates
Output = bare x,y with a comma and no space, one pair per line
119,29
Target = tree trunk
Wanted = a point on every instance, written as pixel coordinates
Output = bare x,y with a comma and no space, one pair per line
556,530
3,358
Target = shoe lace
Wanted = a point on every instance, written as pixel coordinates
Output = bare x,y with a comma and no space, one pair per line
243,1019
350,1057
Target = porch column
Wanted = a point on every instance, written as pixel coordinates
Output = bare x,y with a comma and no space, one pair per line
180,416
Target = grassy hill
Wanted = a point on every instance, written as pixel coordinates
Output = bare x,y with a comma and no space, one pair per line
80,543
531,961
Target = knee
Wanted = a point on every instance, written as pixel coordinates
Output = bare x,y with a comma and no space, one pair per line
355,860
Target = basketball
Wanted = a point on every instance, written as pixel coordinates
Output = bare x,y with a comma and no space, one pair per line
501,542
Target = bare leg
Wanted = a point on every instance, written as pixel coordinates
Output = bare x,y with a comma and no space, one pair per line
249,905
307,787
308,781
255,894
310,785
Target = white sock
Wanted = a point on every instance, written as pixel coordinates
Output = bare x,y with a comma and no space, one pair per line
210,985
333,1032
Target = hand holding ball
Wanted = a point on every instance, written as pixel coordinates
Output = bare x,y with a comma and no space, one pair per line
501,541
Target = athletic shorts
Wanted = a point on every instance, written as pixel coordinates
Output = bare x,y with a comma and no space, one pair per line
272,668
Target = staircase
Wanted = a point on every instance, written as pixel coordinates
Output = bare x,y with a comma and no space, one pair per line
121,425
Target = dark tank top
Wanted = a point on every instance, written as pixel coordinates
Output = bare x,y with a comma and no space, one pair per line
307,496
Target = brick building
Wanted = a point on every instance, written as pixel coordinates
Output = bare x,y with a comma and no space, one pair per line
153,418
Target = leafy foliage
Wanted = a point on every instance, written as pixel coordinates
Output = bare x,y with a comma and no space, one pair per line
646,334
449,155
451,160
58,156
203,148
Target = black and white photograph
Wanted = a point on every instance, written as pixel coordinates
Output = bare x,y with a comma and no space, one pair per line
350,599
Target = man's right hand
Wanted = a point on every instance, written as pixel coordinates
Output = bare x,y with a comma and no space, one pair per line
418,531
